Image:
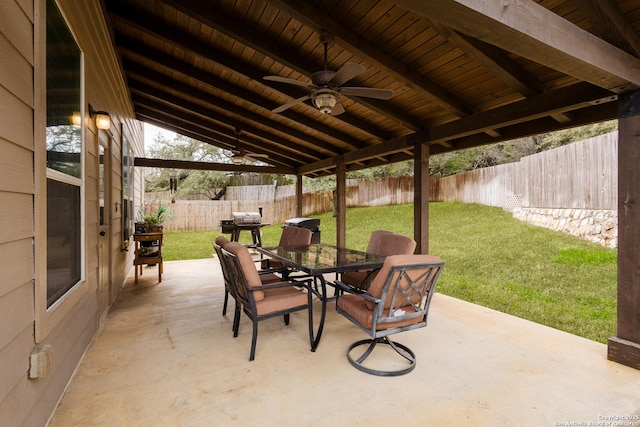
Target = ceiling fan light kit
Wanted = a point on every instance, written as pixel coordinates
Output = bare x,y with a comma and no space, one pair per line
324,100
326,85
240,154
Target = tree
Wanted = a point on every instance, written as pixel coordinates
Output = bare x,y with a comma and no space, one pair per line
512,151
188,181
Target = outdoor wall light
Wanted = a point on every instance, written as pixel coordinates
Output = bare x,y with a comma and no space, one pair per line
103,121
76,118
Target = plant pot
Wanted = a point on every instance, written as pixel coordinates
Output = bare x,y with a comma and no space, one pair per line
140,227
154,229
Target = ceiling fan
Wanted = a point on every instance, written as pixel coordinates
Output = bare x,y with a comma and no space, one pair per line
240,154
326,85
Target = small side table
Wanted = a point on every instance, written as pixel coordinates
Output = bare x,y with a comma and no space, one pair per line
152,254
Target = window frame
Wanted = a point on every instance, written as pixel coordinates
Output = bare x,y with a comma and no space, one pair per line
48,318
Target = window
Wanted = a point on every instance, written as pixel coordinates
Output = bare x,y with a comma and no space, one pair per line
127,190
64,157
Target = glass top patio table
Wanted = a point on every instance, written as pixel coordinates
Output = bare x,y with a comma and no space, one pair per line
320,258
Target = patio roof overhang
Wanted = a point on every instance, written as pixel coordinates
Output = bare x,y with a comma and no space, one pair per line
464,73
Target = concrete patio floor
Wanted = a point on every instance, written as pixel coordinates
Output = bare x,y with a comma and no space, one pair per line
166,357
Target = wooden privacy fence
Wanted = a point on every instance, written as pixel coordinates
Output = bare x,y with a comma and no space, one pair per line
278,203
199,215
582,175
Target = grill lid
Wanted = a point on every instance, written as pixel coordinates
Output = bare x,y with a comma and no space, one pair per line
310,223
247,218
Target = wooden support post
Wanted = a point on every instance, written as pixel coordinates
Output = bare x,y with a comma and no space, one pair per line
341,194
624,348
299,196
421,198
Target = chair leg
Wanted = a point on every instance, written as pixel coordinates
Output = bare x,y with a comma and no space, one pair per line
310,316
226,299
236,319
402,350
287,317
254,339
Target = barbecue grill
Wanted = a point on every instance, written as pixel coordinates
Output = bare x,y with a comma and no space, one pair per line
249,221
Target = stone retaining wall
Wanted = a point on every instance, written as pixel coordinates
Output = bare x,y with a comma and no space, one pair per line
598,226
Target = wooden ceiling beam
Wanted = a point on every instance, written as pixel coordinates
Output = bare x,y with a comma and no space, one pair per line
147,115
498,64
313,17
185,130
558,101
206,13
161,59
610,24
221,129
585,116
218,105
494,60
555,42
178,120
395,145
506,118
206,166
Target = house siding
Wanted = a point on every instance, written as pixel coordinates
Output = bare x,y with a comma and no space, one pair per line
24,401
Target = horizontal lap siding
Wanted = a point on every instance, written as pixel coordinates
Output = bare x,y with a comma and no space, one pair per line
16,210
24,401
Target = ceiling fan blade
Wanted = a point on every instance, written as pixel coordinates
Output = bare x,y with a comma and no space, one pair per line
283,107
367,92
337,109
289,81
255,158
348,71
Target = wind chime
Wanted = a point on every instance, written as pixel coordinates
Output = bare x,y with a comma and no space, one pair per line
173,187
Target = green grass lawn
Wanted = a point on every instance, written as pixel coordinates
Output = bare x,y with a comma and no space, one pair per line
491,259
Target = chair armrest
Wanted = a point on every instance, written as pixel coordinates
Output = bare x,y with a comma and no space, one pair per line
283,284
349,289
271,270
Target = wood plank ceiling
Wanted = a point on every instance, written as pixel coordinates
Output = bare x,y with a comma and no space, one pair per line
463,73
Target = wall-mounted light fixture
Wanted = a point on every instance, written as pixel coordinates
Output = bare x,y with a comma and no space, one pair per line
76,118
103,121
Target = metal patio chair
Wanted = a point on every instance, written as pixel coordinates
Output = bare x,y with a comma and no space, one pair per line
384,243
229,288
263,301
398,300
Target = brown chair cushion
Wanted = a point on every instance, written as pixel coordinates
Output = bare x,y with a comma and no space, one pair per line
248,267
357,308
281,299
386,244
291,236
395,244
377,284
356,278
222,241
374,240
295,236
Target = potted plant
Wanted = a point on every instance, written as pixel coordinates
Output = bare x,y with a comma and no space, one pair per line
154,220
